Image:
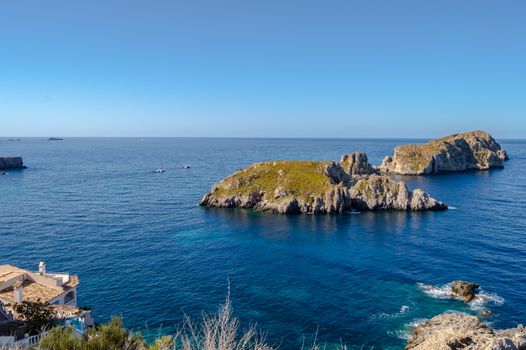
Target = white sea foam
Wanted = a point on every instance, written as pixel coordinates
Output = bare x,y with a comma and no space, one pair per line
406,332
481,299
416,322
442,292
401,334
452,208
384,315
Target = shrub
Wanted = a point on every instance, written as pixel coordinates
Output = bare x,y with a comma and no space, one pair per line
38,316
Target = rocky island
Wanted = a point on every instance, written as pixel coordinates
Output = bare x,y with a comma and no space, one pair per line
461,331
476,150
316,187
8,163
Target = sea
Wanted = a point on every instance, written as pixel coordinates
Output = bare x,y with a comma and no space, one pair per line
145,251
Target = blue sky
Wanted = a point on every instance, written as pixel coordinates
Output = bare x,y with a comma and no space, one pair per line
262,68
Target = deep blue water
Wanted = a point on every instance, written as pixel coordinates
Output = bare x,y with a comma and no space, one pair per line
144,249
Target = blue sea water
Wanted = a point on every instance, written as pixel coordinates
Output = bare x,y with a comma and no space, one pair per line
145,251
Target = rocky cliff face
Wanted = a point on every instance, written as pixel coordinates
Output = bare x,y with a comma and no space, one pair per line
7,163
451,331
357,164
475,150
383,193
293,187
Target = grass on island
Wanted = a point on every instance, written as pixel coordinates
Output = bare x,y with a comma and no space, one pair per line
302,179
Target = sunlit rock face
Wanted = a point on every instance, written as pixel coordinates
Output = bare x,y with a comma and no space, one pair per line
476,150
460,331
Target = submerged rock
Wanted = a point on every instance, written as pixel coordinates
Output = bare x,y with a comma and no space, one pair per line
7,163
476,150
464,290
452,331
293,187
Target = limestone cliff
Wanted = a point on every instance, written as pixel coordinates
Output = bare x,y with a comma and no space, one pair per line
7,163
293,187
475,150
383,193
460,331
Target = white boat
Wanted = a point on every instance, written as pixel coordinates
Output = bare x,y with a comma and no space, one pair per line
161,169
186,166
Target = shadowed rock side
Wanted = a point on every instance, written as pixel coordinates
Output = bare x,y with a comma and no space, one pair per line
475,150
7,163
293,187
460,331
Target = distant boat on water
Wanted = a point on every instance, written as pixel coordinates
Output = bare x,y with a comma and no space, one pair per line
186,167
55,139
161,169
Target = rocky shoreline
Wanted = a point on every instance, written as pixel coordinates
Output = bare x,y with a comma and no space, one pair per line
450,331
455,330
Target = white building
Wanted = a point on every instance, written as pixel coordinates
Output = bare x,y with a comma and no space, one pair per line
18,285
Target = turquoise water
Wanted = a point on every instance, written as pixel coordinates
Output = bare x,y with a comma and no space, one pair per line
145,251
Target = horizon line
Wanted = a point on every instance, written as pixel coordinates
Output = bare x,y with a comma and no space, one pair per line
45,138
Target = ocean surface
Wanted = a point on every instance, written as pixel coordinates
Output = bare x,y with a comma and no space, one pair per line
145,250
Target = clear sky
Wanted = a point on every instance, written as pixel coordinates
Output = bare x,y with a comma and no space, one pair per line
278,68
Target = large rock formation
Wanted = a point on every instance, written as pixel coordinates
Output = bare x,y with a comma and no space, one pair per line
293,187
383,193
7,163
357,164
475,150
451,331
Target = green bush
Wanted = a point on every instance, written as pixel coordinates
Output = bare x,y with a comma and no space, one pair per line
220,331
111,336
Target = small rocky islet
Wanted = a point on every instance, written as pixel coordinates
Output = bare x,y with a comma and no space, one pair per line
328,187
9,163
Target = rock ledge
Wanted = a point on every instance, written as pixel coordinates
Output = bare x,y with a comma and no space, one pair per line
451,331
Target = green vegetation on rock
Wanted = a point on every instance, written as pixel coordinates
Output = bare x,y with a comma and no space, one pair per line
301,179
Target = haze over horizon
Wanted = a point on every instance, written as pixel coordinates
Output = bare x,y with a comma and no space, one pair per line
337,69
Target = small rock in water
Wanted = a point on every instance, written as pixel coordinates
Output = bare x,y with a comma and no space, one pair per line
485,313
465,290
